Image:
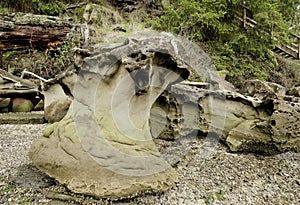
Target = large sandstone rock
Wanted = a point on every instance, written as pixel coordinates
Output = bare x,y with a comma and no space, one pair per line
277,132
103,146
266,125
263,90
56,103
4,103
284,125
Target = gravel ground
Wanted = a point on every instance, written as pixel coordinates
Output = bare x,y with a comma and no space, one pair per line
209,175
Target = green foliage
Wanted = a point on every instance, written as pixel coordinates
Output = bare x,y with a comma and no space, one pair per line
220,195
209,200
243,52
205,20
290,11
271,24
24,201
8,188
46,64
46,7
50,8
18,5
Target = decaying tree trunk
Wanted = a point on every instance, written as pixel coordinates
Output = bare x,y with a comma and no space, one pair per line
22,31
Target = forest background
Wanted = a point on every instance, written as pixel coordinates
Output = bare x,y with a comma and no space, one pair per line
240,52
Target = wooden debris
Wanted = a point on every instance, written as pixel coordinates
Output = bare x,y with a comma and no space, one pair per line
22,31
19,82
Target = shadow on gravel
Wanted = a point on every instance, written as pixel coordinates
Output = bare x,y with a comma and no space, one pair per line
28,176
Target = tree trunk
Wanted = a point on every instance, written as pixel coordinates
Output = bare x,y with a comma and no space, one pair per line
22,31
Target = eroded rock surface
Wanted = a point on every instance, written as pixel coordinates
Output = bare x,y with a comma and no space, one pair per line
103,146
266,122
295,91
126,93
263,90
56,103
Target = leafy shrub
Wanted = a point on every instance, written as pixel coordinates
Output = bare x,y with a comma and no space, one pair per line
205,20
243,52
50,8
46,7
45,64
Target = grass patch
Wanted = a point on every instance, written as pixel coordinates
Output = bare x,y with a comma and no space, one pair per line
8,188
220,195
23,201
210,200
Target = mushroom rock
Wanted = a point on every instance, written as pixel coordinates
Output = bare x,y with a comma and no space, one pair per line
103,146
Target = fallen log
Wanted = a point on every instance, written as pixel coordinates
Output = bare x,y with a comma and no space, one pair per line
19,82
30,93
20,31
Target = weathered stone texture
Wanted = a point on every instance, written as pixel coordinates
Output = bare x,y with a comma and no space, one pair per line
21,105
244,123
127,93
103,146
295,91
56,103
263,90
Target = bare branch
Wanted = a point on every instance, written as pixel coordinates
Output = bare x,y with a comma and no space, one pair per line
35,75
85,32
74,6
19,81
